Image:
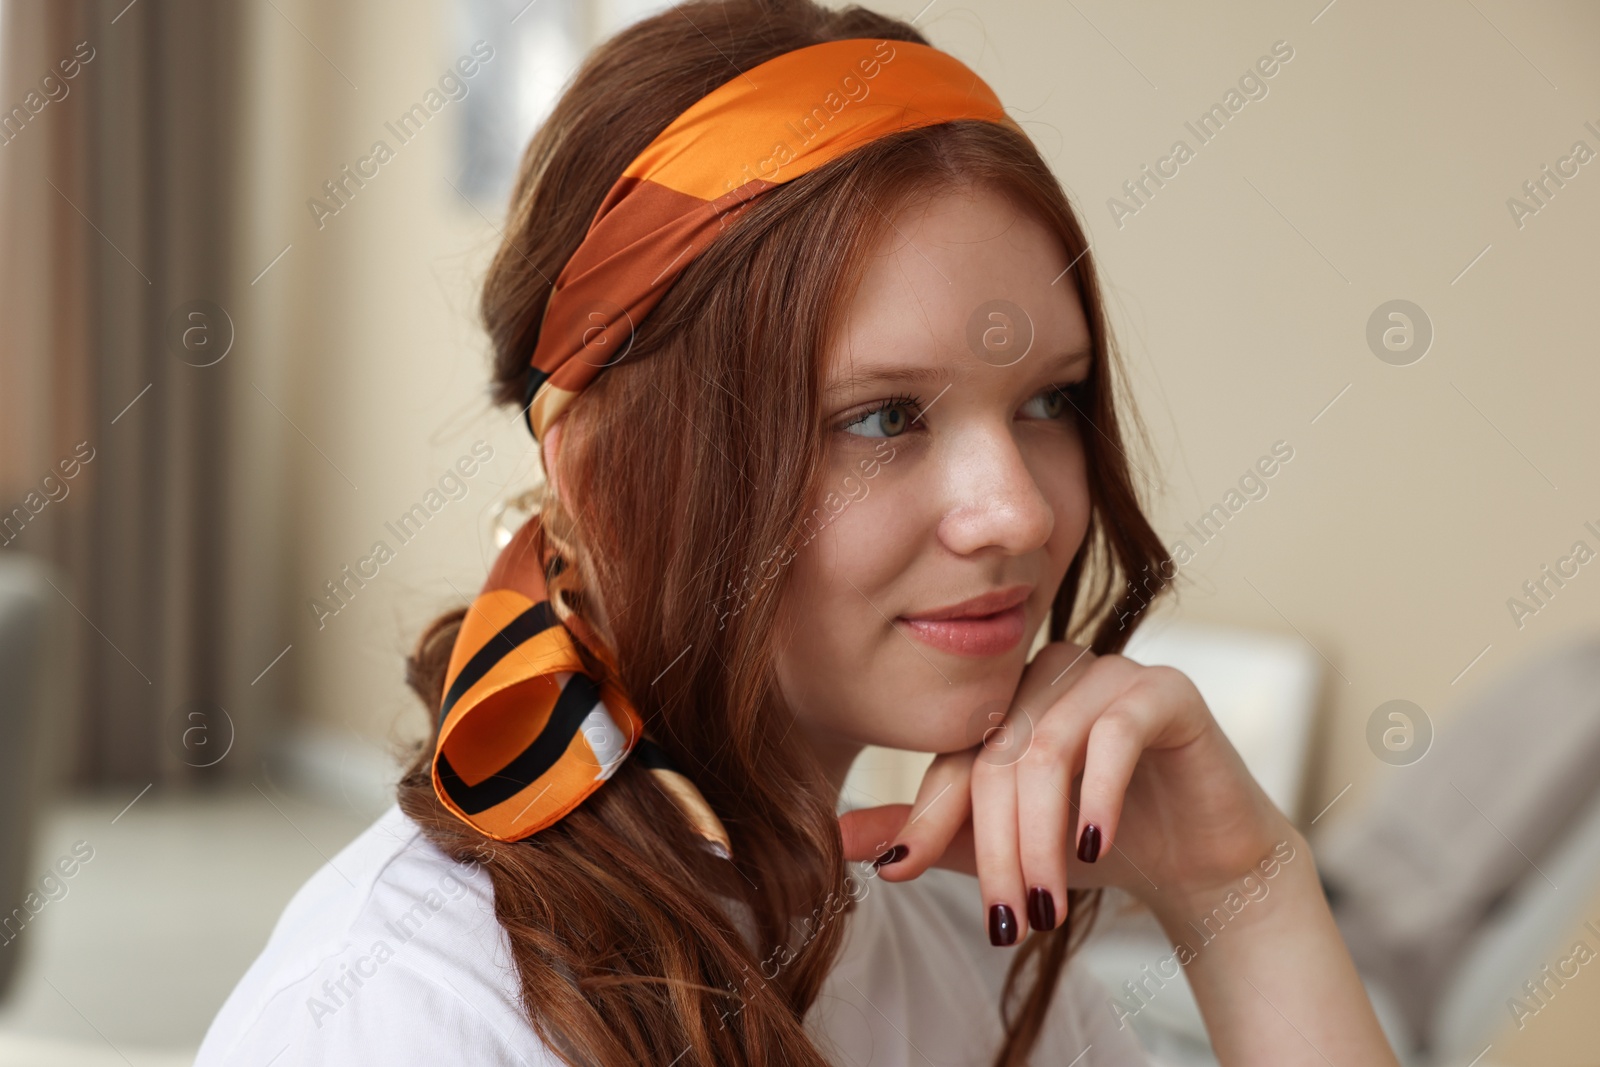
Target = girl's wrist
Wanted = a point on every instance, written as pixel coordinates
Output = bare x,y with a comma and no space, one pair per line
1283,870
1269,970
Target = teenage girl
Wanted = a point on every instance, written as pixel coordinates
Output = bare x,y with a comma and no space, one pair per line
814,351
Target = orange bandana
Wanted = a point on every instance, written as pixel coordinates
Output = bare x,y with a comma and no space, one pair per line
525,734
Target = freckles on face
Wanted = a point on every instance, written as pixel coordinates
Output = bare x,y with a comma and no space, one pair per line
951,474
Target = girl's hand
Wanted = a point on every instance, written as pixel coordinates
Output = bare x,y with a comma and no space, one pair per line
1103,772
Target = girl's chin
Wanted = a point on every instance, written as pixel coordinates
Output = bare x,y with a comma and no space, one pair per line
938,718
959,726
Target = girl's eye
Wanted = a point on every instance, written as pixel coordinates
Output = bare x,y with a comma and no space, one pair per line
1058,401
894,416
889,419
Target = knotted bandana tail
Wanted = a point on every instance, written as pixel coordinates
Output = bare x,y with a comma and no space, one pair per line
526,734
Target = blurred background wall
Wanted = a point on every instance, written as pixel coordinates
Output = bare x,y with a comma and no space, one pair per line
245,458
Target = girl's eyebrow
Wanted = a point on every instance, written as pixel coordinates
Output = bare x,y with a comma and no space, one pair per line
916,374
888,375
1082,354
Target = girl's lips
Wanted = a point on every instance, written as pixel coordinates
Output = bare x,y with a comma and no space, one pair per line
988,635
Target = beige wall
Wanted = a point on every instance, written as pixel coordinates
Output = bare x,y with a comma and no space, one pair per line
1377,167
369,346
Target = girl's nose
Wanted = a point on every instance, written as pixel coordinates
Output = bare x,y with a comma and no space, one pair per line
993,498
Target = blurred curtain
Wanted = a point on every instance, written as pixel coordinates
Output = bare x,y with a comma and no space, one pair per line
115,231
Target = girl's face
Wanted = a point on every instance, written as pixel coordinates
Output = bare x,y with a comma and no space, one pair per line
955,470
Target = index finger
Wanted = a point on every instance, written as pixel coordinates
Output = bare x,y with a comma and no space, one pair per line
941,810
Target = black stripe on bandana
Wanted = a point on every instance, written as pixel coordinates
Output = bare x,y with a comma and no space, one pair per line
577,700
530,624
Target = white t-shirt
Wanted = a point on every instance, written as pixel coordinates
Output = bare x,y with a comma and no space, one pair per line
391,953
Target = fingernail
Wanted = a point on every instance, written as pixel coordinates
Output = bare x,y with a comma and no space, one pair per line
1002,925
893,855
1041,909
1089,844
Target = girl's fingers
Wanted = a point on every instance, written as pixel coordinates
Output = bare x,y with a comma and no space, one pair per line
867,832
1044,785
1116,741
936,821
1049,824
994,838
1006,811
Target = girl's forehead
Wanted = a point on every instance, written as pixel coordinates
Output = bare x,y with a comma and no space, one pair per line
965,263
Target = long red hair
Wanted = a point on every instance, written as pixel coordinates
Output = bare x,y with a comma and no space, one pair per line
693,460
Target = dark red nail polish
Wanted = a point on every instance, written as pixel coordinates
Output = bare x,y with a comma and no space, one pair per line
893,855
1002,925
1041,909
1089,844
